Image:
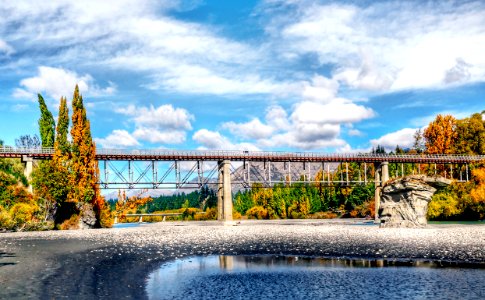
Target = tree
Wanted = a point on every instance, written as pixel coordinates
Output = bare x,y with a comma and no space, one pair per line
84,167
60,164
46,124
27,141
470,135
419,143
47,182
440,135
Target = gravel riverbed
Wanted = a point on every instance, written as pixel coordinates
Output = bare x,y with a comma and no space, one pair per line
114,263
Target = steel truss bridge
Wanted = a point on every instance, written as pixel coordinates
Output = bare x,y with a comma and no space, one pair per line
174,169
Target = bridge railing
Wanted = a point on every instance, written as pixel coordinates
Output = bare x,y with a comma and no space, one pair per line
239,154
26,150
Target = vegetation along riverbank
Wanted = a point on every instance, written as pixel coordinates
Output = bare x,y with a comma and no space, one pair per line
63,193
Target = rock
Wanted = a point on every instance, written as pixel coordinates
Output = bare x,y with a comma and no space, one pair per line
88,217
404,202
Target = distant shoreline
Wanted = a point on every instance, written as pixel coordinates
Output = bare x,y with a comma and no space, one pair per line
108,263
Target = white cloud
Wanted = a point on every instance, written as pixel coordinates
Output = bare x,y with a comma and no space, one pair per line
6,48
335,112
164,116
154,135
385,45
117,139
403,138
213,140
355,132
253,129
163,124
314,123
138,37
57,83
321,89
277,118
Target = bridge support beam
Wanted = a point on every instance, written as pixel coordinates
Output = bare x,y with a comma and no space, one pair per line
381,177
28,168
224,192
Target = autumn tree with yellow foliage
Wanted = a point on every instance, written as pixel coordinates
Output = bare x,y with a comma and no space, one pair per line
440,135
84,171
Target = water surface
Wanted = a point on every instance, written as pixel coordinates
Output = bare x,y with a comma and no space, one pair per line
282,277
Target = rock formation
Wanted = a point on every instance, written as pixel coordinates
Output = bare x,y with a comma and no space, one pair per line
404,201
88,217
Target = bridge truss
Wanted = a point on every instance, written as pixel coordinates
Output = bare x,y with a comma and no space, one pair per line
172,169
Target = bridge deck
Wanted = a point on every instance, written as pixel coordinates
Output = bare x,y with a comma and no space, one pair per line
217,155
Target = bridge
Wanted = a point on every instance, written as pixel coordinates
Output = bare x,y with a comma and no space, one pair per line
177,169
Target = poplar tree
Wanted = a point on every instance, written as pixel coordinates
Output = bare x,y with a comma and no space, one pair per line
83,163
60,164
84,166
45,179
61,144
46,124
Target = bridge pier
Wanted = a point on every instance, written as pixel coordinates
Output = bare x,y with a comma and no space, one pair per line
381,177
28,163
224,192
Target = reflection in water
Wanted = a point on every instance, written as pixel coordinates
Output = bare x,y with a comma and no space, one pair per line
217,277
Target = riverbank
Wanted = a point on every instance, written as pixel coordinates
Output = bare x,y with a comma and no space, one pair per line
114,263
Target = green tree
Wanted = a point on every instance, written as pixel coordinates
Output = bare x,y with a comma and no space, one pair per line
470,135
46,124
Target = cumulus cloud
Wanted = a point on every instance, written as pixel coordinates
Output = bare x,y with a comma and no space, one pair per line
403,138
164,116
213,140
384,45
163,124
338,111
253,129
314,123
139,37
117,139
277,118
154,135
59,82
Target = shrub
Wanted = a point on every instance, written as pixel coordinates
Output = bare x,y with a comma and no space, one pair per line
236,215
443,206
71,223
257,212
323,215
23,213
6,221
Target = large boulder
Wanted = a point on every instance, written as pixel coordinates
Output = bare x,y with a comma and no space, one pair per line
87,218
404,201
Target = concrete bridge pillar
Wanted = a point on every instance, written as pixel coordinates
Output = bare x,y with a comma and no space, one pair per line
28,168
384,172
224,192
381,177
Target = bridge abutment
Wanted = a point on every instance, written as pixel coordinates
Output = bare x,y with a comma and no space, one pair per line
224,192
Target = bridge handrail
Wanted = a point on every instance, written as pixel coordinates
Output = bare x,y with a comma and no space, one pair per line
187,154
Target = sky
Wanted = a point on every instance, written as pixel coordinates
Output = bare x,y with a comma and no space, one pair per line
271,75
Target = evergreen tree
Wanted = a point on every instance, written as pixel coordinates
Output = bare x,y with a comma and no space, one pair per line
46,124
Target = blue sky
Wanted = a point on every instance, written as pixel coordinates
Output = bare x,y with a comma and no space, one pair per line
256,75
